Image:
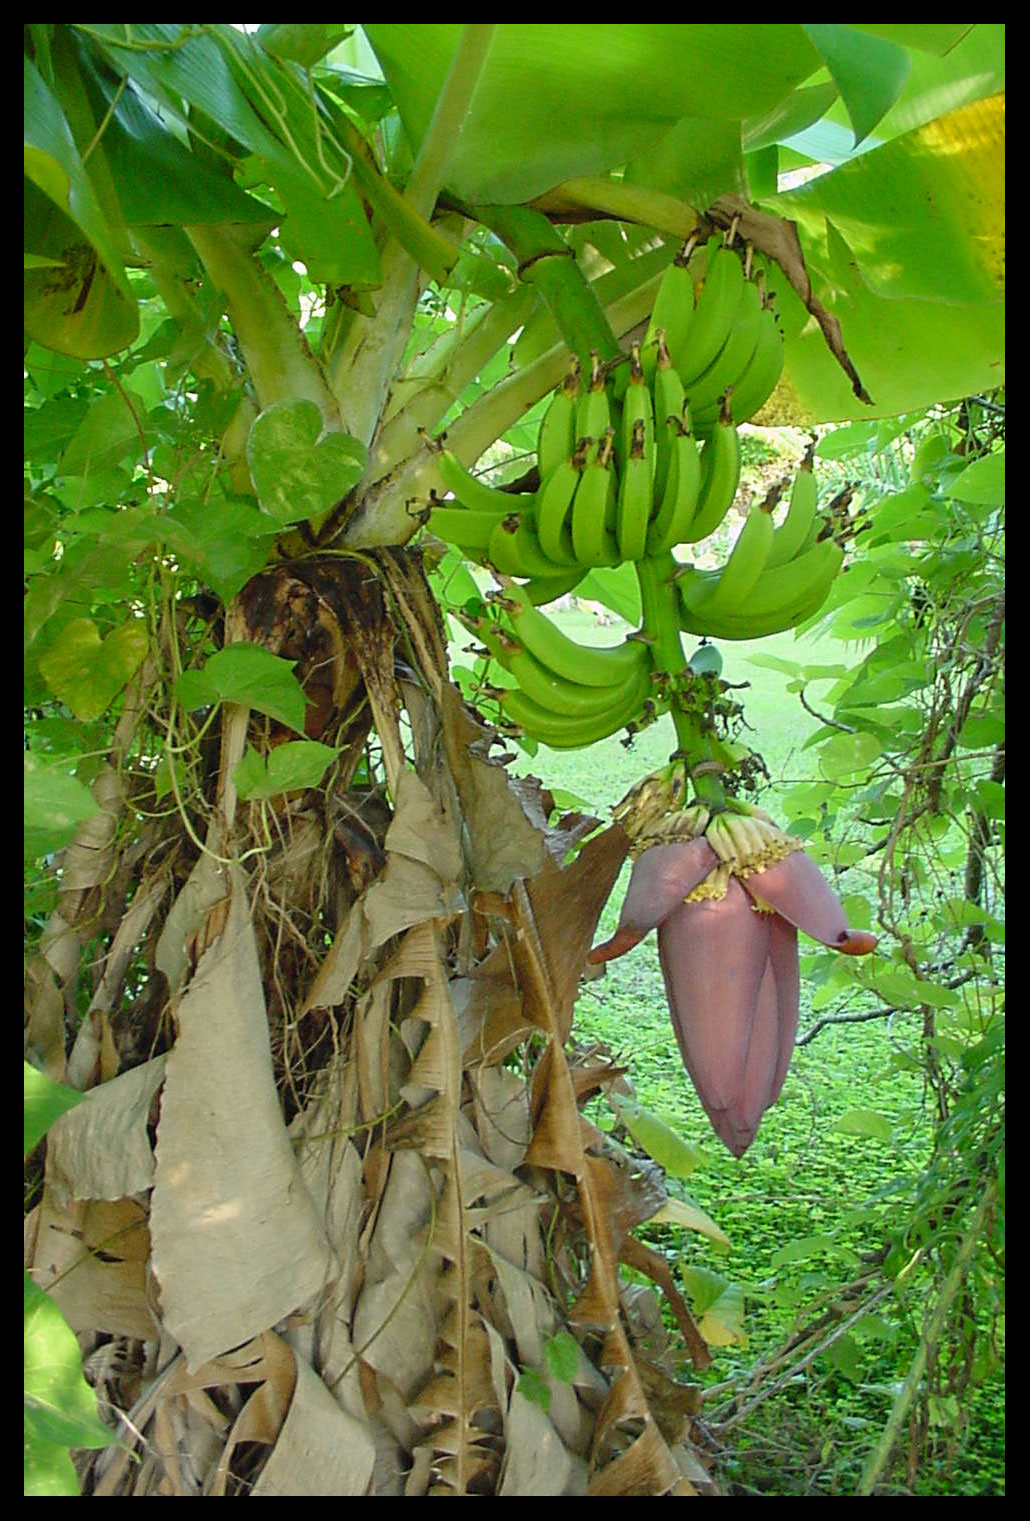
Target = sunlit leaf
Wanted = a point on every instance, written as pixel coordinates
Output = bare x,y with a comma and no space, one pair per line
982,481
303,42
55,805
684,1213
846,754
296,474
673,1154
87,672
864,1122
564,100
60,1406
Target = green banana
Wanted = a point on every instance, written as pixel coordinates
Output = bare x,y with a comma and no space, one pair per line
730,589
541,685
758,381
782,597
554,503
671,523
733,358
514,549
793,531
540,590
592,540
713,317
473,493
468,530
556,438
671,314
720,476
636,408
593,410
634,504
590,665
562,732
669,399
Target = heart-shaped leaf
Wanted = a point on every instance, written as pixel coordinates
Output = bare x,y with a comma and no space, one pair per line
86,672
289,768
718,1306
250,675
296,476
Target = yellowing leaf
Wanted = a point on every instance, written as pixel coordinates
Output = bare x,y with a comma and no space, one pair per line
86,672
690,1217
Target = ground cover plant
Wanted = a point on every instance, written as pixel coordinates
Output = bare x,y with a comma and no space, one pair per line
356,1161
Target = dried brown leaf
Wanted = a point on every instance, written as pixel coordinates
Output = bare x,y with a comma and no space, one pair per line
422,830
101,1149
237,1243
320,1448
644,1468
92,1258
333,979
566,906
536,1461
636,1255
503,843
205,886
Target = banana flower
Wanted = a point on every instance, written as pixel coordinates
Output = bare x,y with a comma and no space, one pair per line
728,906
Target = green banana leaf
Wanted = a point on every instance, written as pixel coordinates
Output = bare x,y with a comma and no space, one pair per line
81,303
558,101
906,247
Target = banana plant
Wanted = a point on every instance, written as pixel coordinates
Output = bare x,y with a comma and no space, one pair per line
286,289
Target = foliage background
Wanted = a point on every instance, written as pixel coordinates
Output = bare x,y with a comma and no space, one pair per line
195,200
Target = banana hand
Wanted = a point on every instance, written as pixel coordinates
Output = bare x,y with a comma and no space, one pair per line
595,499
473,493
669,401
554,505
515,550
758,381
793,531
587,664
781,598
561,732
593,411
672,313
732,360
634,504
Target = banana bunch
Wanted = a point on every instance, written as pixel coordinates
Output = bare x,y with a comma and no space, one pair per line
774,578
633,462
568,694
623,474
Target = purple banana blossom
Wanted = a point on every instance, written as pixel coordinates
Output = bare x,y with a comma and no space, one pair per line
730,965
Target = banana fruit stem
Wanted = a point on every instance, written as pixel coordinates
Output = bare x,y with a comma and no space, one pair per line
547,262
661,627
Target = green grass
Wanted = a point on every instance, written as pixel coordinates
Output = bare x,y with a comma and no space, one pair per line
800,1179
